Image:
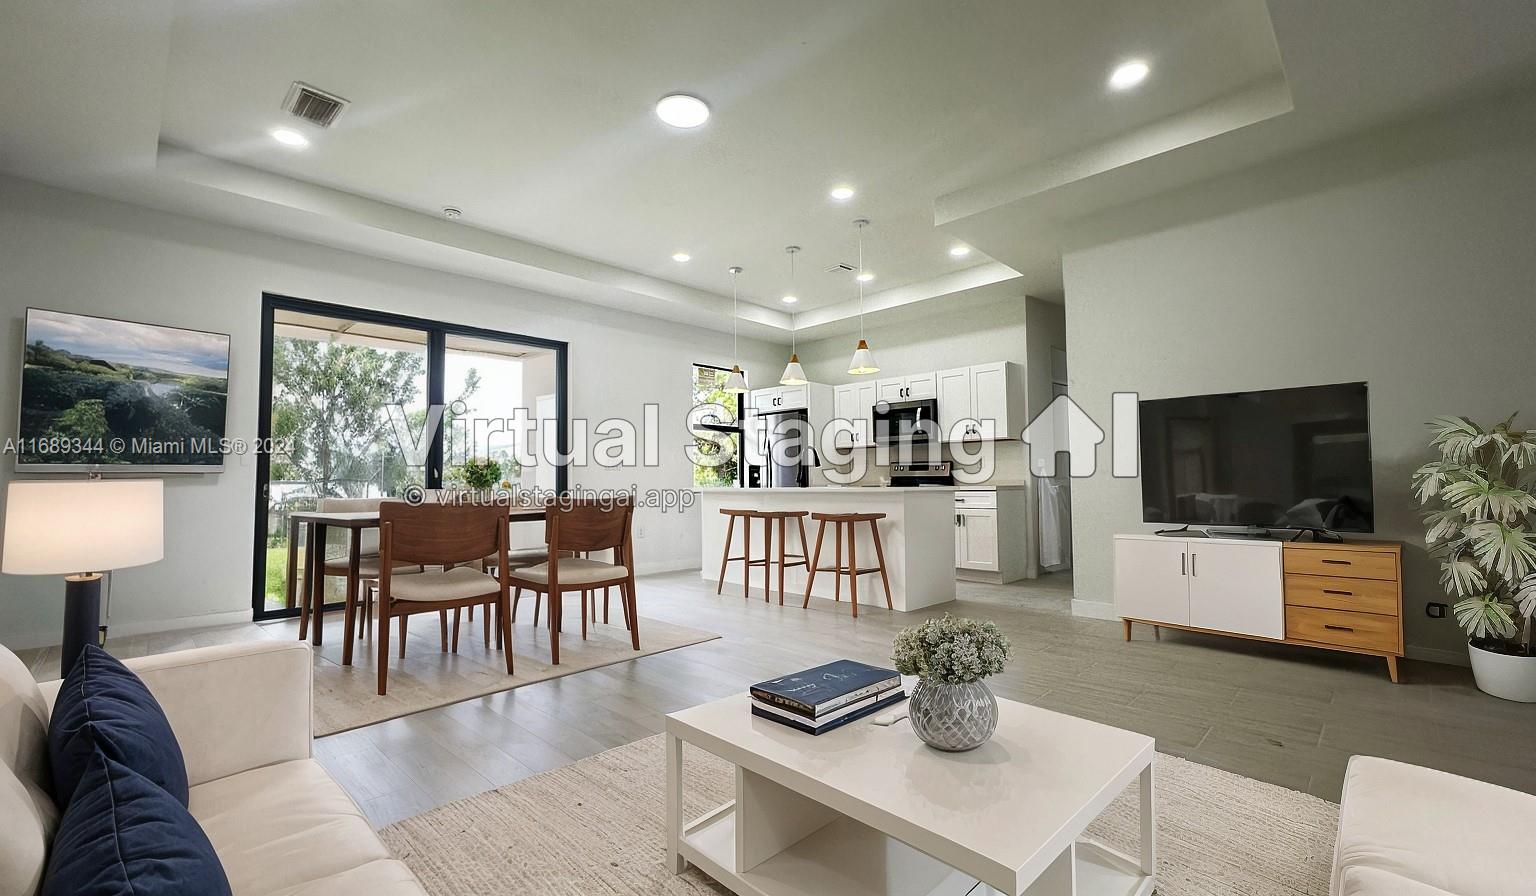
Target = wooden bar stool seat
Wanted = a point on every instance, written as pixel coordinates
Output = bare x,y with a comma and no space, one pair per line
771,519
847,523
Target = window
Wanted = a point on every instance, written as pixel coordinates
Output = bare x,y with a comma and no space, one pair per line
717,442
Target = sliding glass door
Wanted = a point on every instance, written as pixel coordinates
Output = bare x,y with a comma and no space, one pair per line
349,397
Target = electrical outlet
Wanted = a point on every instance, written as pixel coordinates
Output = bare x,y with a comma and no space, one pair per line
639,530
1435,611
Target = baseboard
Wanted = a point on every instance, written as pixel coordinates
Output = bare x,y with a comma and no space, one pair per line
1438,655
1093,609
28,640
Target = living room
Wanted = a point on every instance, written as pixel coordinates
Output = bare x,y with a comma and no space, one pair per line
360,642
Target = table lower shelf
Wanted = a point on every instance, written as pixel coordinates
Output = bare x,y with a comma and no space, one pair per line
852,859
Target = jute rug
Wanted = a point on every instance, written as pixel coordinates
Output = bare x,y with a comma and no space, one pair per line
346,697
597,826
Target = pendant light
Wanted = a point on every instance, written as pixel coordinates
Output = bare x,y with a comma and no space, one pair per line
863,359
735,383
794,374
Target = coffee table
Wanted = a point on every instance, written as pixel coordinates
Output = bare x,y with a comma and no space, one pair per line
869,810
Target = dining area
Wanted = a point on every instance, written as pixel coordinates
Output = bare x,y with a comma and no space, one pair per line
450,553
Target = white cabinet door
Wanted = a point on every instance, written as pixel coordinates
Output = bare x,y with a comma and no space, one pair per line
978,531
792,398
989,398
865,398
954,395
845,414
1237,588
1151,581
922,385
760,400
959,542
891,390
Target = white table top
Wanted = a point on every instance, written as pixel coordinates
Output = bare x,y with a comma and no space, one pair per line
1003,810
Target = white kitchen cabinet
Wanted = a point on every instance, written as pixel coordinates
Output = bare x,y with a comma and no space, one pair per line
852,405
983,401
1221,585
907,388
978,540
991,400
992,540
954,395
779,398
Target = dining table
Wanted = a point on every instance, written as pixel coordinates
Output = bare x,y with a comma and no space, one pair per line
318,523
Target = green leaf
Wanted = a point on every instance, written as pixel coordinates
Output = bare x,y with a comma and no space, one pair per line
1479,499
1457,438
1526,597
1485,616
1511,552
1444,524
1462,576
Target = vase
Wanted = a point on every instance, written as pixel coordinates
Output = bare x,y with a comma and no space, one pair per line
953,717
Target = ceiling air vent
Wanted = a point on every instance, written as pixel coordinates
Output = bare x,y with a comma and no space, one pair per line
841,267
313,104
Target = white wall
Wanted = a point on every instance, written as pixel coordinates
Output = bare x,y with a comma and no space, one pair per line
79,253
1404,258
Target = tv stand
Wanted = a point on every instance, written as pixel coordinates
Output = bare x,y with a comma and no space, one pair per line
1182,530
1344,596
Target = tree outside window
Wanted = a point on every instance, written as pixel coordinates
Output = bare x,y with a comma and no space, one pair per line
711,439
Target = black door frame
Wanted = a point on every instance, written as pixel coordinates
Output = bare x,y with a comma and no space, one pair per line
437,333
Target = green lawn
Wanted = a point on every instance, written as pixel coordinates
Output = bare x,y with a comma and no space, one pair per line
277,577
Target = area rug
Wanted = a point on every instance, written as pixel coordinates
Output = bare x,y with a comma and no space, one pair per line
346,697
597,826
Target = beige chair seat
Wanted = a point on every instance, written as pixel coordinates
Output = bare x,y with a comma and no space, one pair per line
368,567
458,583
520,558
573,571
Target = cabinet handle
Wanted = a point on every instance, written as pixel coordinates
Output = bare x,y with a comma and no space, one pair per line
1194,570
1338,562
1338,628
1183,564
1344,593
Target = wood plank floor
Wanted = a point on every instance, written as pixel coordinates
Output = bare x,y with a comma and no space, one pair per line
1281,714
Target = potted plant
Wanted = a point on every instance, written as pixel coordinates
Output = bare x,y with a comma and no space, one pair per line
480,475
951,707
1482,499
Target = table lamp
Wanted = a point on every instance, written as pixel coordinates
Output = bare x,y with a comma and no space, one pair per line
80,529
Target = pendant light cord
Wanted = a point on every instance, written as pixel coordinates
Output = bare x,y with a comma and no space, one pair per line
860,280
794,292
735,350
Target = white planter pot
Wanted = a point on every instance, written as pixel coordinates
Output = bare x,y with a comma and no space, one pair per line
1502,675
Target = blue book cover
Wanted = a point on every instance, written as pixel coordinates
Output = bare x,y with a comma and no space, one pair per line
825,688
807,728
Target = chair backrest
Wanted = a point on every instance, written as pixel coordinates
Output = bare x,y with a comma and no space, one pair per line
442,534
370,537
589,524
28,815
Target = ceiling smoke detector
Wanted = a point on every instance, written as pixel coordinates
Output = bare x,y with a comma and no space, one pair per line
312,104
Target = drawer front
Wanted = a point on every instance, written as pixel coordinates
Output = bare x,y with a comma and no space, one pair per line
1336,593
1343,563
976,498
1365,631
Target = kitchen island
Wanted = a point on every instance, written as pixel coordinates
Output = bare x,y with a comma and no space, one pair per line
917,535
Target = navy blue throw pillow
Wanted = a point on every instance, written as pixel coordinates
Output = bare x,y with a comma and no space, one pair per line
124,836
103,705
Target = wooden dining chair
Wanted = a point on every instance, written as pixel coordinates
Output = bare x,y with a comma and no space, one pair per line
368,557
448,540
581,527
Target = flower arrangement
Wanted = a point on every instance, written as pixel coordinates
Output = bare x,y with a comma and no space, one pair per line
480,474
951,650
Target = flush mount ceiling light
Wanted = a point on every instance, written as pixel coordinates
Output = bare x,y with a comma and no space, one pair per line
289,137
1128,74
681,257
841,193
959,251
736,383
794,374
682,111
863,359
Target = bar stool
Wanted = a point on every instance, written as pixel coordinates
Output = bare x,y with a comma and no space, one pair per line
848,522
784,560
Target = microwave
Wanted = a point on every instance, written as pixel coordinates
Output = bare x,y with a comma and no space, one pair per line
906,421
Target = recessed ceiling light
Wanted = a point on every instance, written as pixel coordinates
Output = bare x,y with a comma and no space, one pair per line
681,257
290,137
959,251
790,300
1129,74
682,111
452,212
865,277
841,194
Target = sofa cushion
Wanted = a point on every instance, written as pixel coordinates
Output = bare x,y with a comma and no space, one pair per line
1362,881
283,826
27,812
103,705
122,835
1433,828
385,877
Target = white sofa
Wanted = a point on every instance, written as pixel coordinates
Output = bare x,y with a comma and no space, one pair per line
1411,831
242,714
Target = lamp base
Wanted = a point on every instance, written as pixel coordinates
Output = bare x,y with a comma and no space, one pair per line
82,617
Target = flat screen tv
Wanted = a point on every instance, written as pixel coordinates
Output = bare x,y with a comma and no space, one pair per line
103,393
1280,459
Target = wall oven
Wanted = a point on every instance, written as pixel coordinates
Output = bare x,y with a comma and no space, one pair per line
906,421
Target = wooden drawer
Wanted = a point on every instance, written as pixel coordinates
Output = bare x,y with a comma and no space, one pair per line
1343,563
1365,631
1336,593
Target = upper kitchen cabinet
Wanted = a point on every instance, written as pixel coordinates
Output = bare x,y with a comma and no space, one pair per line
907,388
988,397
853,404
779,398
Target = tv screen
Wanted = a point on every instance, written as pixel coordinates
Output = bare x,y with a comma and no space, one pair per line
98,392
1282,459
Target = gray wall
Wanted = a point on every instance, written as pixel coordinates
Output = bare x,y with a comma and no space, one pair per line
1405,258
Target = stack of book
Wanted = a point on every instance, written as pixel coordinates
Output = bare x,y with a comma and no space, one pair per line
818,700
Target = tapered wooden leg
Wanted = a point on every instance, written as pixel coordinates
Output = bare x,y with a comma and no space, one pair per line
383,653
607,591
517,595
586,600
885,580
632,610
837,562
456,617
503,628
853,571
1127,628
1392,668
782,524
746,558
556,610
402,635
317,578
538,603
725,553
306,589
487,622
815,561
442,624
767,559
349,615
291,584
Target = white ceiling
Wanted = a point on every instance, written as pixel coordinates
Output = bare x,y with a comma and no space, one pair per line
989,119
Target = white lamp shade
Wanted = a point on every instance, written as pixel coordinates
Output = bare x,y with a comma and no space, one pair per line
60,527
863,360
736,382
794,374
